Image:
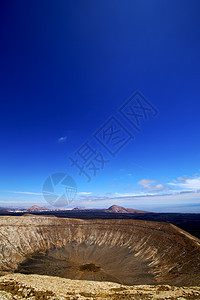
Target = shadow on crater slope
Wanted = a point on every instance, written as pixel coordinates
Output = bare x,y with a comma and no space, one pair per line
123,251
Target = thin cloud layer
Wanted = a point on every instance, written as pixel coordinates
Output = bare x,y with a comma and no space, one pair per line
25,193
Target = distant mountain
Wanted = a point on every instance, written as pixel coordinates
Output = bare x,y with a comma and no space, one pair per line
78,208
4,209
122,210
112,209
36,208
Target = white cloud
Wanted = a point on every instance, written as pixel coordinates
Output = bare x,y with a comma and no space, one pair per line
187,183
146,183
84,193
62,139
152,185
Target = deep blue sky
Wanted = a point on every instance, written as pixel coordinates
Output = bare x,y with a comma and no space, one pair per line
67,66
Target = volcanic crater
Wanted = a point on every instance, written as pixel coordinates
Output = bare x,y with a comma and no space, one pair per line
123,251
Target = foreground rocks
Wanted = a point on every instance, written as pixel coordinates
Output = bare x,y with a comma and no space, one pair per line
19,286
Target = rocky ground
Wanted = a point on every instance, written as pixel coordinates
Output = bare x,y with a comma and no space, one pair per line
19,286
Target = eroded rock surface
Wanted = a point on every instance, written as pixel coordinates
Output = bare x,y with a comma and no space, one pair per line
124,251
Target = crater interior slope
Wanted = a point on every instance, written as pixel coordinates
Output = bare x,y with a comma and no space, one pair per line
123,251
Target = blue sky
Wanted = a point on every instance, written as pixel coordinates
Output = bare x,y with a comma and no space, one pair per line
67,67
